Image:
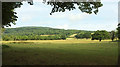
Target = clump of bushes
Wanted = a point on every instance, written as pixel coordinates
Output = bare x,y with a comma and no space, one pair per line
5,46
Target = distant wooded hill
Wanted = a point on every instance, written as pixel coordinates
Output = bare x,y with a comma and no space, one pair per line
38,33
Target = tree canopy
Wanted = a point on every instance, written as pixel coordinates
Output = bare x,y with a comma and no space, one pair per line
100,35
118,31
83,35
112,35
9,15
86,7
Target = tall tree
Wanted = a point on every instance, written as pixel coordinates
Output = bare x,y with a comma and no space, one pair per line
118,31
112,35
8,13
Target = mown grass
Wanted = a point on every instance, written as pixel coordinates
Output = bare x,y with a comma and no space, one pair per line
61,53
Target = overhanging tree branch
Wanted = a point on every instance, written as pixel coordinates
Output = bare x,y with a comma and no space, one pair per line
9,15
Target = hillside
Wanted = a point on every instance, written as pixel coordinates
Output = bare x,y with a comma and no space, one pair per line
26,33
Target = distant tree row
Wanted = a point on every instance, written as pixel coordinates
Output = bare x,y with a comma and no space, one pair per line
35,33
98,35
102,35
39,31
35,37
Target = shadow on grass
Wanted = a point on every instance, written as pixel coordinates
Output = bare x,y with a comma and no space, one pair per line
115,41
22,43
45,54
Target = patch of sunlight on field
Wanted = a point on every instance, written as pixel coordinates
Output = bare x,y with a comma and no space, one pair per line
73,35
62,41
70,39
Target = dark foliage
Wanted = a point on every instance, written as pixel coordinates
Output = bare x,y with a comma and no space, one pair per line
5,46
100,35
118,31
87,7
83,35
8,13
112,35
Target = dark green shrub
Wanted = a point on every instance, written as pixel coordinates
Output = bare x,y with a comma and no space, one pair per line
5,46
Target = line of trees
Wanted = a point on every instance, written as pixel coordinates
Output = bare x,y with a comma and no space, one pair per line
31,37
99,35
35,33
102,35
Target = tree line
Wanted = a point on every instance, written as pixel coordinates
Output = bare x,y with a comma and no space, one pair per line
37,33
98,35
31,37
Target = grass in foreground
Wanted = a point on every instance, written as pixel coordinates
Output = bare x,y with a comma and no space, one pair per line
48,53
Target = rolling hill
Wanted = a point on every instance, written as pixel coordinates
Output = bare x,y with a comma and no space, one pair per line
32,33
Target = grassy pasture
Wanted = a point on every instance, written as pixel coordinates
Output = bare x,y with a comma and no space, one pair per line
60,52
73,35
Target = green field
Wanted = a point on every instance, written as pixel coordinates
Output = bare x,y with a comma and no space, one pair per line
60,52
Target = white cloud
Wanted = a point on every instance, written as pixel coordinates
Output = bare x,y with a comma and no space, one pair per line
38,1
65,26
37,7
77,17
35,15
25,18
72,17
110,0
107,27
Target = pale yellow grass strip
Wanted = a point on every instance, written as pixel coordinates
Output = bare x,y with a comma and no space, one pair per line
61,41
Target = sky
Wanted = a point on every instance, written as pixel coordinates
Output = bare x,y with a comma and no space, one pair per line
39,15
